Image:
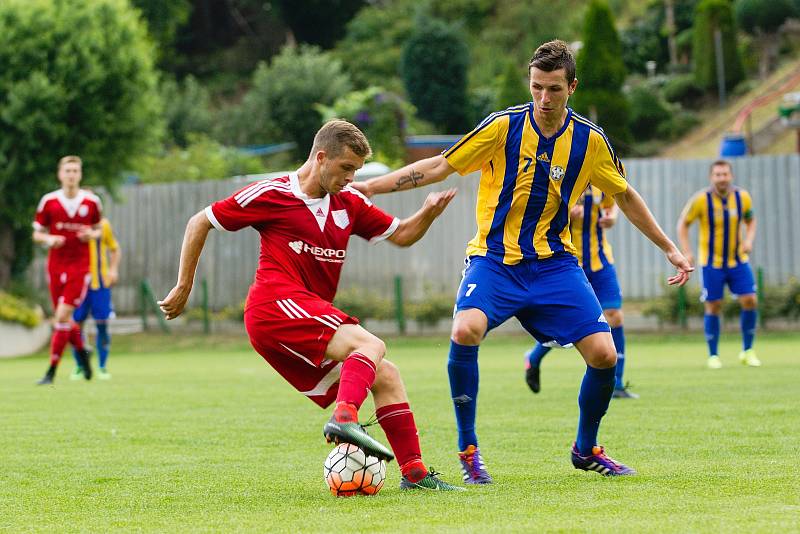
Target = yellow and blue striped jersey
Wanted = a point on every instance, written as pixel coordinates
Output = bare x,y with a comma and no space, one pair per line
98,255
528,181
720,221
589,238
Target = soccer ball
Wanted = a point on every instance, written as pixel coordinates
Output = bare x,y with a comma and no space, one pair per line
349,471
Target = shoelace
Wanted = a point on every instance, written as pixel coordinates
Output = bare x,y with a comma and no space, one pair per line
602,454
373,420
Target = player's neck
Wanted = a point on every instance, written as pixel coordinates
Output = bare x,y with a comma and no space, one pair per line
547,126
70,192
309,181
720,194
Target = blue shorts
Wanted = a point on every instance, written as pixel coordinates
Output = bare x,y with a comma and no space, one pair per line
739,279
551,297
98,301
606,287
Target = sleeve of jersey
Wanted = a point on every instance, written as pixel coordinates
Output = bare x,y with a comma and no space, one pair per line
372,223
747,206
41,221
475,149
108,236
238,211
692,209
609,173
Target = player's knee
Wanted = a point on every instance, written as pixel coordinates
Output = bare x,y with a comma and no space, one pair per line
387,375
713,307
603,359
372,347
748,302
466,333
614,317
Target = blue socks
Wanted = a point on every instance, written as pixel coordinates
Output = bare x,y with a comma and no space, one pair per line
747,319
619,343
462,368
536,354
103,342
711,324
593,400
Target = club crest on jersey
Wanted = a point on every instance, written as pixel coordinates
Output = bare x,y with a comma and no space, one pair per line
340,218
83,210
557,173
297,246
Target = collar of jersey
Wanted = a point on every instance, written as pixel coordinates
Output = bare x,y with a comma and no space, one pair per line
558,133
70,205
313,204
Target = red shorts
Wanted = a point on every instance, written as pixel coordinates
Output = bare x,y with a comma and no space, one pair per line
68,286
292,334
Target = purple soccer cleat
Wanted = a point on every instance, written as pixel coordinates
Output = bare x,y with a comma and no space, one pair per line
599,462
473,467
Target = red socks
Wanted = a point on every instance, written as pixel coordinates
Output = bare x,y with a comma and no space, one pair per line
75,337
355,380
398,424
59,340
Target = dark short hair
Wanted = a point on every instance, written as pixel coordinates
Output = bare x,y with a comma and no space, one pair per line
554,55
720,162
337,134
69,159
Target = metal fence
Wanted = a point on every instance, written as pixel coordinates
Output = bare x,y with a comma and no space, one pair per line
150,220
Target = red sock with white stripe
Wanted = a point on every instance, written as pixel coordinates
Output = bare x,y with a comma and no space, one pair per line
398,424
59,340
75,336
355,381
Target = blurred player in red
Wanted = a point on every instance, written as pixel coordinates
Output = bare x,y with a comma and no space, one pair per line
66,220
305,220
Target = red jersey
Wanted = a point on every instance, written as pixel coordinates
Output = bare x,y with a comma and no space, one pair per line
67,216
303,240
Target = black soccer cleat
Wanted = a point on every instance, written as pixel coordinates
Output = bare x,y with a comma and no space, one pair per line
532,378
85,363
47,379
355,434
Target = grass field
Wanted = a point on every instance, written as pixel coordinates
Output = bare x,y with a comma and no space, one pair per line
198,434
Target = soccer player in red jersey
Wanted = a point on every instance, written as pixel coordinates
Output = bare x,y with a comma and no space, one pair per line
66,220
305,220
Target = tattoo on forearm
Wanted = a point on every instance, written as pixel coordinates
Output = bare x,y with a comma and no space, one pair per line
414,178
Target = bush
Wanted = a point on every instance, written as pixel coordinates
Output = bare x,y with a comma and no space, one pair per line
431,309
678,124
186,109
381,115
280,105
648,112
14,310
682,89
711,14
364,304
202,159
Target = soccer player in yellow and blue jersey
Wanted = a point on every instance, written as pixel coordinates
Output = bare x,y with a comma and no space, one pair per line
727,229
536,160
104,258
588,221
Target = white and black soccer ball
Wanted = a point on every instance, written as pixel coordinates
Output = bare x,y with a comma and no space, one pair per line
349,471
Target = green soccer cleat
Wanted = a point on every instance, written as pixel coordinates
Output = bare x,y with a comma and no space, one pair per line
355,434
430,482
77,374
102,374
714,362
749,358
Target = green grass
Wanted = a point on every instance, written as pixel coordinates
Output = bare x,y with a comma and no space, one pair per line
199,434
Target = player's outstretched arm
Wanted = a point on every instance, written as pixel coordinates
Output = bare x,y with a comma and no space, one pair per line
683,236
634,208
423,172
193,241
411,230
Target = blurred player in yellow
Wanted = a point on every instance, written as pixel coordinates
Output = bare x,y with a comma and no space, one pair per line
589,219
104,258
727,229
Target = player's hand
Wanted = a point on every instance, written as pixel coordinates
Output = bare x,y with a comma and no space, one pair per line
56,241
174,303
607,222
747,246
113,276
437,202
576,212
363,188
682,264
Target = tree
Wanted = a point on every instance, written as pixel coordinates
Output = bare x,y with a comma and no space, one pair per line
712,15
164,19
186,109
434,71
280,104
763,20
319,22
512,89
601,74
75,78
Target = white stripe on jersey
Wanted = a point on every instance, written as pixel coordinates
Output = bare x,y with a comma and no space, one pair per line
255,193
357,193
333,319
326,323
289,314
250,187
292,305
309,362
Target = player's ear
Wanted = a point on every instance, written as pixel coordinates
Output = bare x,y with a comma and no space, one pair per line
572,86
320,156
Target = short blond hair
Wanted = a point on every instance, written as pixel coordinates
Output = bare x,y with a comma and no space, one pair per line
69,159
337,134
